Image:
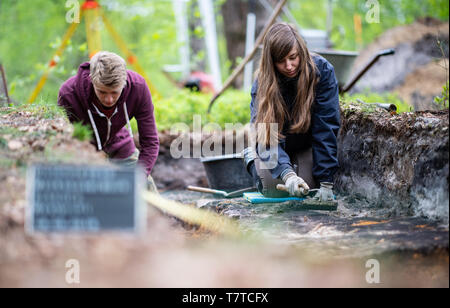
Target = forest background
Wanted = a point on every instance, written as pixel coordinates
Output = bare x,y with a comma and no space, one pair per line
31,31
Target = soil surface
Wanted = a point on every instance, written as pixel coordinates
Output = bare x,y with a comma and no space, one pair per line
355,229
280,247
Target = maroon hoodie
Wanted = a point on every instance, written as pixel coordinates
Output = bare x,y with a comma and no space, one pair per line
113,135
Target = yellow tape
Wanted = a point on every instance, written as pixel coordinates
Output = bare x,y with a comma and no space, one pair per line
206,219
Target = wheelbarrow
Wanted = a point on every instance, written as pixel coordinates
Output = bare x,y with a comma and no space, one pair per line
342,62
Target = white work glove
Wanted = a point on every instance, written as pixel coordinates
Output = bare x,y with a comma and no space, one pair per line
295,185
325,192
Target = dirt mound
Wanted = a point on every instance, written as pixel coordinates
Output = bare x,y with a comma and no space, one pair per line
422,85
400,160
27,138
417,69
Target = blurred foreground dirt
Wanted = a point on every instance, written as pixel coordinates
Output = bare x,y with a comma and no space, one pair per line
169,253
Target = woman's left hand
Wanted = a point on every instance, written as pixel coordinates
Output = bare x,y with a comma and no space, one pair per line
325,192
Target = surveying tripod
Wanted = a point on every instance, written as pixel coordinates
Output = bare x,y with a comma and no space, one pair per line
93,13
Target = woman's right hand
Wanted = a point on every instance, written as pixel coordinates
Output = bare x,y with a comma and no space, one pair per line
295,185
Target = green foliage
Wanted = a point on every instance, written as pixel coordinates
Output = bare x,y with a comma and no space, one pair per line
312,14
81,132
133,124
442,101
31,31
372,98
34,30
231,107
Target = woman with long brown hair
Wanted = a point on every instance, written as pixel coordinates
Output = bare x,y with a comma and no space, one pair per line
298,91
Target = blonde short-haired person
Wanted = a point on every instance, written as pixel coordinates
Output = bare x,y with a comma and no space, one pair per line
298,91
105,95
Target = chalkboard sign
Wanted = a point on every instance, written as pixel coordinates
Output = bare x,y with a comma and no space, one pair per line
68,198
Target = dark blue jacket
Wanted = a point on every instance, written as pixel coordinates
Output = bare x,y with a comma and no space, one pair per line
325,122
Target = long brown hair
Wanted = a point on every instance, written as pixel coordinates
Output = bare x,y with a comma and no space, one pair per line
278,42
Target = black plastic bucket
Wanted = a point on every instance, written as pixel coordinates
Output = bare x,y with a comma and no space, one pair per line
226,172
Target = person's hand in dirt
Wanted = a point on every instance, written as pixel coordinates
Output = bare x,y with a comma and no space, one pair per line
295,185
325,193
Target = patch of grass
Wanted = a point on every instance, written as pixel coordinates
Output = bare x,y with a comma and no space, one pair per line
3,143
81,132
372,98
7,163
442,101
6,110
44,109
40,108
7,130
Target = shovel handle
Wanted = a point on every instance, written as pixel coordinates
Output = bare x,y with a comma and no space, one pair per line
284,188
205,190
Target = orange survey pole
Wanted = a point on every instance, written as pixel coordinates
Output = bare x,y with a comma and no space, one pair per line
358,29
93,31
54,60
130,57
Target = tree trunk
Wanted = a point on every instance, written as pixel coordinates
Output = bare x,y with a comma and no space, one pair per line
197,44
234,14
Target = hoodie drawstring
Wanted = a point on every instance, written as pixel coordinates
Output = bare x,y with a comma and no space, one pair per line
128,119
99,145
